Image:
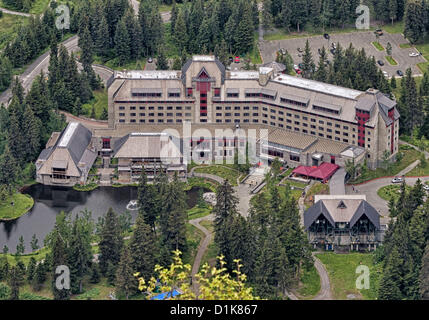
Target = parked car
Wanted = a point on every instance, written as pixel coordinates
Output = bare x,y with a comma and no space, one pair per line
282,51
300,50
413,54
149,60
231,59
333,45
379,32
297,69
237,59
300,65
332,51
386,75
326,36
397,180
399,73
381,63
425,187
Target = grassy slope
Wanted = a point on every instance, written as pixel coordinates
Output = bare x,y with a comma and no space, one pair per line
310,283
342,274
221,171
9,27
99,101
22,203
389,191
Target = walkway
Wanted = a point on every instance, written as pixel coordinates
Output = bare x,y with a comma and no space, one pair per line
16,13
336,183
202,247
325,285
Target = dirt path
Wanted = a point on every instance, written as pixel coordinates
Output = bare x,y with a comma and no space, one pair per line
202,247
325,285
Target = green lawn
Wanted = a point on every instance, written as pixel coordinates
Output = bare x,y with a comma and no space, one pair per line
38,7
99,102
342,274
387,192
405,45
197,212
38,255
409,156
200,182
317,188
294,183
424,49
21,204
309,283
221,171
377,45
419,171
397,27
9,27
391,61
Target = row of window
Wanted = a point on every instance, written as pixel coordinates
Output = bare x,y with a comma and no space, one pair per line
153,121
160,114
157,108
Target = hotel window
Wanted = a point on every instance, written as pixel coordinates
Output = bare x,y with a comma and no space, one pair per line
227,120
122,114
121,120
289,114
313,120
336,138
272,123
296,116
337,125
174,94
313,133
337,132
321,122
329,137
294,158
288,121
296,129
264,109
178,108
313,126
273,111
188,114
321,128
346,140
305,124
329,130
169,120
289,127
132,108
169,114
142,108
178,120
345,134
188,108
160,108
264,121
255,120
246,114
232,95
255,114
218,114
321,135
142,120
246,108
133,120
281,125
265,115
152,114
178,114
345,127
227,108
237,108
273,117
121,108
169,108
281,119
297,123
329,124
228,114
151,108
217,92
218,108
255,108
133,114
236,114
304,131
160,114
218,120
281,112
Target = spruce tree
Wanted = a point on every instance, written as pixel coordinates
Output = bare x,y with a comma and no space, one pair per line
15,281
122,43
308,67
125,280
111,242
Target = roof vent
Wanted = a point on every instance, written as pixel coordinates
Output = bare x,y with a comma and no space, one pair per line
342,205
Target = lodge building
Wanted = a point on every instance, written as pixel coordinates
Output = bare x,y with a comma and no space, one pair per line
299,121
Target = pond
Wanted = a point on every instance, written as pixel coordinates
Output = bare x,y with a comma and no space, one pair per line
49,201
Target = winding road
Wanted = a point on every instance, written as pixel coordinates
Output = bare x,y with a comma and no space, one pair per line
42,62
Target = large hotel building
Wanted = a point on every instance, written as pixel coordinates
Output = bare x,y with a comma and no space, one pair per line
297,120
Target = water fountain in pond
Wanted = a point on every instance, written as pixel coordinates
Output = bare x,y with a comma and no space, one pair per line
210,198
132,205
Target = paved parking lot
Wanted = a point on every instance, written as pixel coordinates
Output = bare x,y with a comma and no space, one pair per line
362,39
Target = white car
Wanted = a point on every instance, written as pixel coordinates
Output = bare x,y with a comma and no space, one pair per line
397,180
413,54
385,74
426,187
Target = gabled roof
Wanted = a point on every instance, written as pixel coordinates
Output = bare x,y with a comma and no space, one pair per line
348,209
312,213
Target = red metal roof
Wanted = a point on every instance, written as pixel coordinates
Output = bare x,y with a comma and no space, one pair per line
323,172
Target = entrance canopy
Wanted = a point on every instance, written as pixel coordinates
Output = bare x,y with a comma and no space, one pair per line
322,172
